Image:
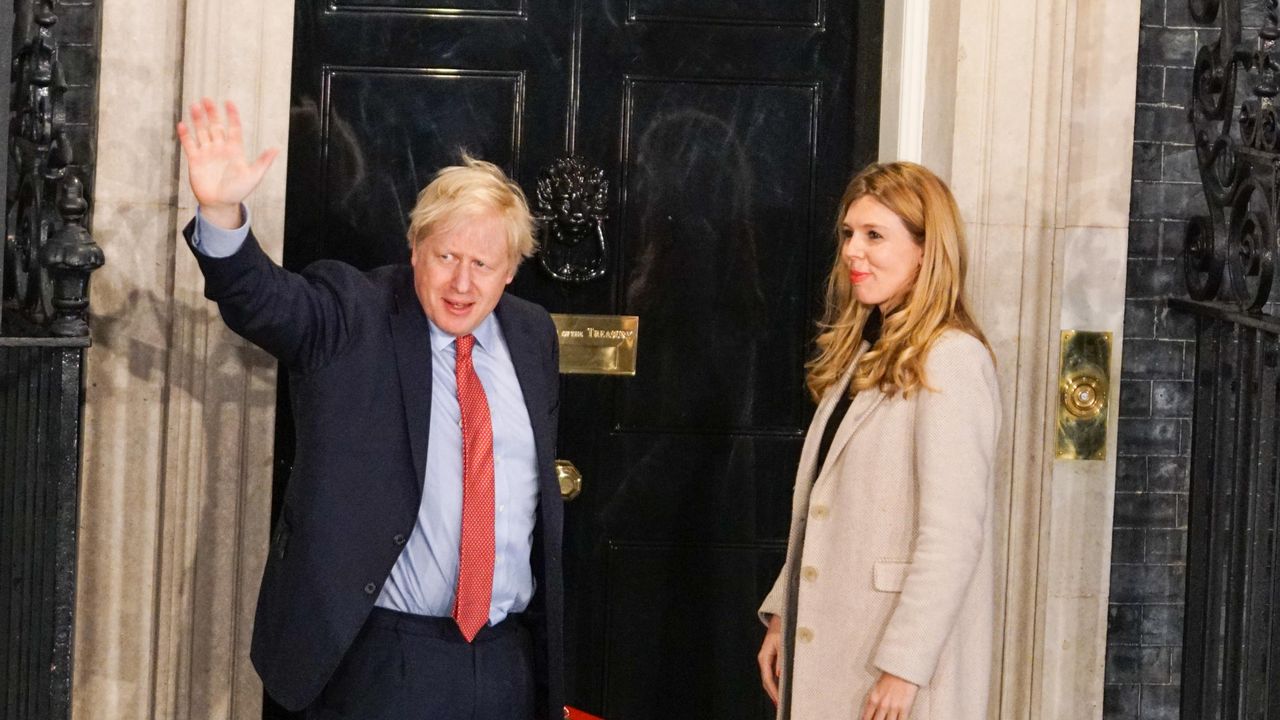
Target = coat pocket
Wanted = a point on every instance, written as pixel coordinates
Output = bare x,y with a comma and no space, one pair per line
887,576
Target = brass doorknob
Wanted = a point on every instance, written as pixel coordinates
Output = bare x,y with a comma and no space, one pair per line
570,480
1084,394
1084,387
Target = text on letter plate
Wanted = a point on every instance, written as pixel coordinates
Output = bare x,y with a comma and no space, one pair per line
597,344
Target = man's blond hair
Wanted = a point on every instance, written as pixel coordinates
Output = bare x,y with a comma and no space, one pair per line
473,188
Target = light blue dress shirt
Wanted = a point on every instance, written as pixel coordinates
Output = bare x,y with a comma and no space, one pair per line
212,241
424,579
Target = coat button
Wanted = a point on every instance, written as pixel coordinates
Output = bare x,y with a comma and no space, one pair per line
399,539
820,511
804,635
809,573
370,589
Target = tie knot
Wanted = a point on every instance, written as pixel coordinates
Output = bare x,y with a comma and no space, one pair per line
465,343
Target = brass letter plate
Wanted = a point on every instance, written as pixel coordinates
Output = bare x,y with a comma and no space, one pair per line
597,344
1084,394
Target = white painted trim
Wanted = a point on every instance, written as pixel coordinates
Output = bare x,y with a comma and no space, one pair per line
1026,108
915,69
904,79
918,82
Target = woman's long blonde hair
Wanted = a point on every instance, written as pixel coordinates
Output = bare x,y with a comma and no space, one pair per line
934,303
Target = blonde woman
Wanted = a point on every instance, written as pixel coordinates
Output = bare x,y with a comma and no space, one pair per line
884,609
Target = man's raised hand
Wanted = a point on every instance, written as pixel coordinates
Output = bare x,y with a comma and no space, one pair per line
221,177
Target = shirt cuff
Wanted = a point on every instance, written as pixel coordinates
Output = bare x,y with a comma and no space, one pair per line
215,242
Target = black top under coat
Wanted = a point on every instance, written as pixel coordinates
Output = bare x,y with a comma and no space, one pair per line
870,333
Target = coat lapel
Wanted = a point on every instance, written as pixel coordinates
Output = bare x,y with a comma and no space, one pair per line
412,341
528,359
813,438
523,349
863,404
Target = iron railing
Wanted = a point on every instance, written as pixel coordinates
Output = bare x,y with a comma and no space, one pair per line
1231,652
45,261
48,254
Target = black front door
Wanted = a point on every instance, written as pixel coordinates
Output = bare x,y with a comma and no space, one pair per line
725,130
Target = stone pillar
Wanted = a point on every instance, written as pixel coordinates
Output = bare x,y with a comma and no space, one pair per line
1036,141
179,413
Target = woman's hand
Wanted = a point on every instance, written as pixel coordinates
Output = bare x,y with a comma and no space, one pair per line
770,658
890,698
221,178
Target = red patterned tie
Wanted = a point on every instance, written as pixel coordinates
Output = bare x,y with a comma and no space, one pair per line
475,566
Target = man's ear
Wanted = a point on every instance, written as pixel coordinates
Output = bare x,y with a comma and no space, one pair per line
515,268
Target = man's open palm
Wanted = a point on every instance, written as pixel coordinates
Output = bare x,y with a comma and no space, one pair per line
221,177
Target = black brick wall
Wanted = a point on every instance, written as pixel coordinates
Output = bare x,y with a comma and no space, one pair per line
1144,631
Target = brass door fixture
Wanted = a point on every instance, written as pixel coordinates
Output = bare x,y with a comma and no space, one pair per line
570,210
1084,393
570,480
597,344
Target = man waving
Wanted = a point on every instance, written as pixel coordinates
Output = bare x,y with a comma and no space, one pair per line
415,571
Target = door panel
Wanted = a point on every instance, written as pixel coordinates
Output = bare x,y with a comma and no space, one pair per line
730,12
664,660
385,94
456,8
726,130
717,273
385,131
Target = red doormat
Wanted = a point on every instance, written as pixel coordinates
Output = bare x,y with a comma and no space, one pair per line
571,713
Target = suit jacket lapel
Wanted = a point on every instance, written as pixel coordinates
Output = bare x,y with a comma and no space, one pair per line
412,342
527,358
863,404
524,357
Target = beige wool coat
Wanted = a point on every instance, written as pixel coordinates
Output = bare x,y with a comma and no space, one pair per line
889,562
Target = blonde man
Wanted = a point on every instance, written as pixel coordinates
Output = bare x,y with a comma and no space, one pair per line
411,574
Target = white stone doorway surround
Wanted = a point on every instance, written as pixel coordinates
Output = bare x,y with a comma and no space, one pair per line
1026,106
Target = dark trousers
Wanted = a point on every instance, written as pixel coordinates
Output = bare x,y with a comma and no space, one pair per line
411,667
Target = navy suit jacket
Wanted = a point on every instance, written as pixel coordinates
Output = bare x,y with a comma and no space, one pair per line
357,349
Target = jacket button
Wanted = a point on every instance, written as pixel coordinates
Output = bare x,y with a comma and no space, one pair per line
399,539
370,589
809,573
820,511
804,635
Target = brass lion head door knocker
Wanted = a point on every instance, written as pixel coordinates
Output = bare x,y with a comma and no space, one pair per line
571,201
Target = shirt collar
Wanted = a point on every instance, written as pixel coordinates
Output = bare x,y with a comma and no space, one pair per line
486,334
